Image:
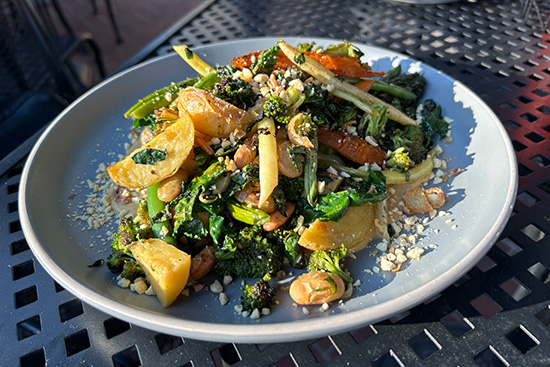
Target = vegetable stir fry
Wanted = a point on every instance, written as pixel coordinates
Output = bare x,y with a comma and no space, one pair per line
291,157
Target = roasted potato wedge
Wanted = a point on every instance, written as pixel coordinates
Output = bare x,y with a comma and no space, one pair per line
167,268
213,116
177,140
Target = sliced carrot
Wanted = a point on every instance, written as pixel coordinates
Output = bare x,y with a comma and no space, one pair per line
341,65
351,147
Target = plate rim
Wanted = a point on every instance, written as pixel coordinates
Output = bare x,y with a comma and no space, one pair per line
269,332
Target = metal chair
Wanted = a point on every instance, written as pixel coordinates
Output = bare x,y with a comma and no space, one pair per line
39,69
111,14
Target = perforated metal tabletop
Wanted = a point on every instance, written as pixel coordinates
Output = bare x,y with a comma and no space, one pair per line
496,315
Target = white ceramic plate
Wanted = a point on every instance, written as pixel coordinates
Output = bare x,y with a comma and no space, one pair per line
93,127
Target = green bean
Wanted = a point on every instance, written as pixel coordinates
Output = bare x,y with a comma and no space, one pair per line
310,172
393,90
161,227
207,81
157,99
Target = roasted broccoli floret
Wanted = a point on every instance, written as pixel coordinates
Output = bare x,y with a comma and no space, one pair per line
258,296
412,138
121,259
293,188
399,160
131,270
276,108
237,91
249,253
329,260
225,71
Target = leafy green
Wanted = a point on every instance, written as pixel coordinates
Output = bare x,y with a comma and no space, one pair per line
333,206
246,214
432,120
237,91
414,83
300,59
249,173
266,61
185,218
293,251
159,216
149,120
149,156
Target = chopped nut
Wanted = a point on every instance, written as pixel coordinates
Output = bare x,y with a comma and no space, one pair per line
436,197
223,299
216,287
416,201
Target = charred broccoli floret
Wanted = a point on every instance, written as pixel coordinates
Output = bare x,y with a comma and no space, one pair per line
249,253
412,138
131,270
329,260
258,296
276,108
121,259
237,91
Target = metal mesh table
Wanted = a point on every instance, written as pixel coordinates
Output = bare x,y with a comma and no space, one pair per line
496,315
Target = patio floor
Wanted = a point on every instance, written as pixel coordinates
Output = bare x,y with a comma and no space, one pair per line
139,22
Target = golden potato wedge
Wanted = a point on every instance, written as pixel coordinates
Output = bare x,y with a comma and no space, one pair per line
177,140
355,230
212,116
166,267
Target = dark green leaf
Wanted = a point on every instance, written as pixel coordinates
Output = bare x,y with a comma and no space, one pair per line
150,120
300,59
149,156
266,61
215,227
189,54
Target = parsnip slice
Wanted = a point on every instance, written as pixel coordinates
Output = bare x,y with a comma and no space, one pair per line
177,139
342,89
166,267
267,146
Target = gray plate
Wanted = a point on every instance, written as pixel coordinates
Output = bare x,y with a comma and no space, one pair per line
93,127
